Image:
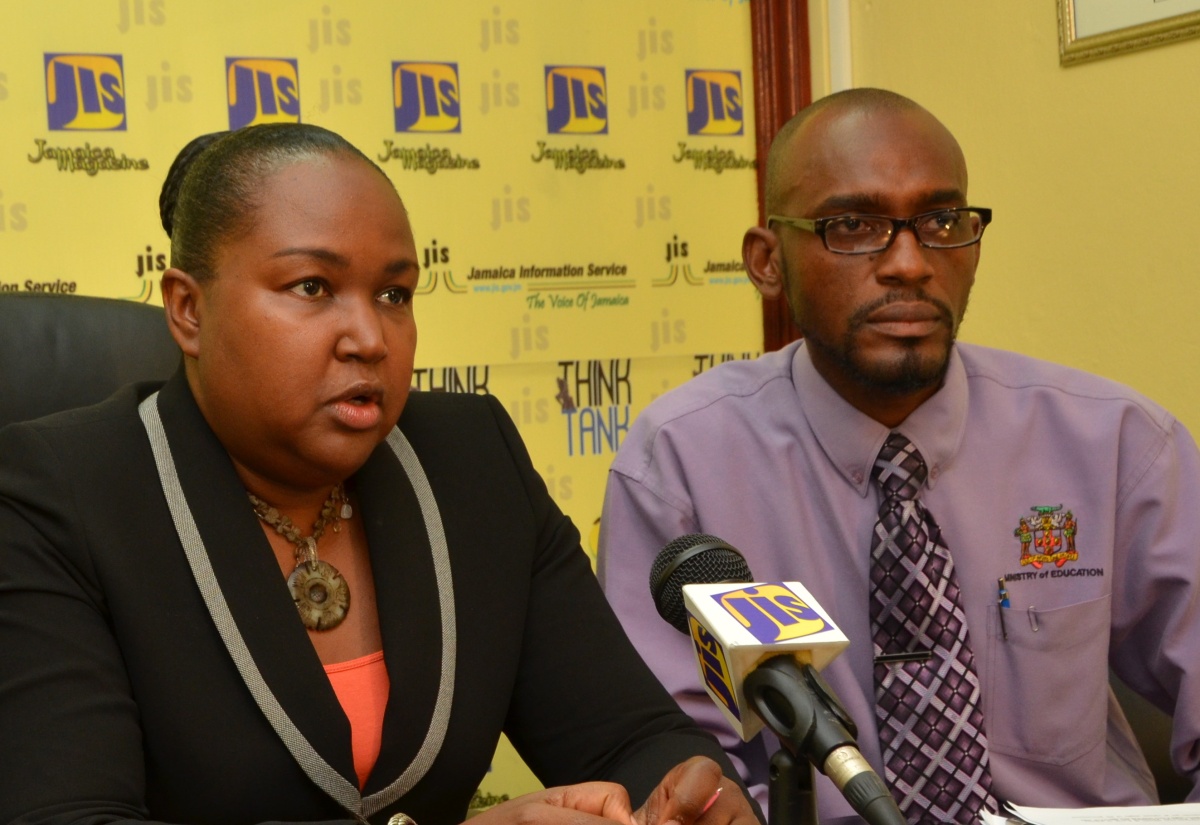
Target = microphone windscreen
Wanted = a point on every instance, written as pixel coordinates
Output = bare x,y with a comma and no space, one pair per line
692,559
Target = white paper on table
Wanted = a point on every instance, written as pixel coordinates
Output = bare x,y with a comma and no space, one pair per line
1185,814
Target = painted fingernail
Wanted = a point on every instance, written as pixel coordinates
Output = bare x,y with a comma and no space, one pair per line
711,801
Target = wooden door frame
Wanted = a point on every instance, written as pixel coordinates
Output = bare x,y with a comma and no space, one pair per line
782,87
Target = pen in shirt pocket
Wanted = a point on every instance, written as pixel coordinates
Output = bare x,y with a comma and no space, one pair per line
1003,604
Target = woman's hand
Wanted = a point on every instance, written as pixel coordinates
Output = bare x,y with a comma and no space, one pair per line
696,792
692,793
589,803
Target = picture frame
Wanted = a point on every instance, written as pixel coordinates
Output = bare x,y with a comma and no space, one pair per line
1093,29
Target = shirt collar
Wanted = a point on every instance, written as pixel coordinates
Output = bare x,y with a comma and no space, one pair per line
852,439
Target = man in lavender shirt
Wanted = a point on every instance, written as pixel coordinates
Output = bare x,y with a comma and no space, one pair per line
1082,494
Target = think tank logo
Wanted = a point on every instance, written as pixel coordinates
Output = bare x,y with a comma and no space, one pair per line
595,398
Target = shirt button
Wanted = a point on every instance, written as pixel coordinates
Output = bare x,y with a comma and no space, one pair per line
857,476
934,472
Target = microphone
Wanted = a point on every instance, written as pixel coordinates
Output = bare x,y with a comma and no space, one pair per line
692,559
759,646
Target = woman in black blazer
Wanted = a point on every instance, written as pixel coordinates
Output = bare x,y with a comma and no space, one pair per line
182,567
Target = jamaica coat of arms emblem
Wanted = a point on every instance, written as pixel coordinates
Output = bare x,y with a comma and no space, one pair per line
1048,536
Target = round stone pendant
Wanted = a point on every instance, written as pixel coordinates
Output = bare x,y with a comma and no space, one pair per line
320,593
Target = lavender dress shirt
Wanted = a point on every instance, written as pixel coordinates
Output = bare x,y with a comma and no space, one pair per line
767,456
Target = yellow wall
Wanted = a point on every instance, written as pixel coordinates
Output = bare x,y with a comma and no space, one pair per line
1093,172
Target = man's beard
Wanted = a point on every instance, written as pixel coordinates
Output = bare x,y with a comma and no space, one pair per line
911,373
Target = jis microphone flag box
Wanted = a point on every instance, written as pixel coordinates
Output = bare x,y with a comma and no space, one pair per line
735,626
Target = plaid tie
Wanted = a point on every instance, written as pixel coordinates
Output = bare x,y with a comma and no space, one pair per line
935,751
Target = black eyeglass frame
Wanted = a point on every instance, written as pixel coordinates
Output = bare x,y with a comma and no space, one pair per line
817,227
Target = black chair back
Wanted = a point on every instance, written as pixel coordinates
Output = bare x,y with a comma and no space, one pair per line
63,351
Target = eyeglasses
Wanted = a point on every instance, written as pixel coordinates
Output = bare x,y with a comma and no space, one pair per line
864,234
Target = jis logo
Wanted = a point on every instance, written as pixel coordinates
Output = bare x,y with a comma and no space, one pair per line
85,92
262,90
425,97
716,670
576,100
714,102
772,613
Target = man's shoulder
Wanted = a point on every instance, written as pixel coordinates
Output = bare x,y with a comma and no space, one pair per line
710,403
1010,372
724,388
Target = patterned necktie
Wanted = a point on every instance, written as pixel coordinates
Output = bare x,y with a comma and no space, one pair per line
930,726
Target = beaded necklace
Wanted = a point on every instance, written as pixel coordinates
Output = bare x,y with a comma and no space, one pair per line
321,594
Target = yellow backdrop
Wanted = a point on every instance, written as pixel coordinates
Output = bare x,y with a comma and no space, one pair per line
578,175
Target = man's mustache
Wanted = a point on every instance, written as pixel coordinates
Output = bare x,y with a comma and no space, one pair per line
895,296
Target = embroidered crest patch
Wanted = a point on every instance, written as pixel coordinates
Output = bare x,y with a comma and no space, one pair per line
1048,536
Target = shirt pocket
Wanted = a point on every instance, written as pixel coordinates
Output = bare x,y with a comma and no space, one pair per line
1048,681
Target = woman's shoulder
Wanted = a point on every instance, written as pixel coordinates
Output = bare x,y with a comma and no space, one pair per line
97,424
443,411
424,400
461,424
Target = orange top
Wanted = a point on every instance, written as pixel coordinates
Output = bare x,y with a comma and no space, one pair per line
362,687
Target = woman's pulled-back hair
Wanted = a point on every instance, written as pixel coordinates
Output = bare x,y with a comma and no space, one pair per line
212,188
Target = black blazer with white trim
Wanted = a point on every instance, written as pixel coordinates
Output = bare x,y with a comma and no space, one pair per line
119,700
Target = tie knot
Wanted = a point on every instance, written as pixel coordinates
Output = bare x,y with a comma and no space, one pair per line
899,469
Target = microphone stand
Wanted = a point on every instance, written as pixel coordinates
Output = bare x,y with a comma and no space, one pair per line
794,702
786,706
791,798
